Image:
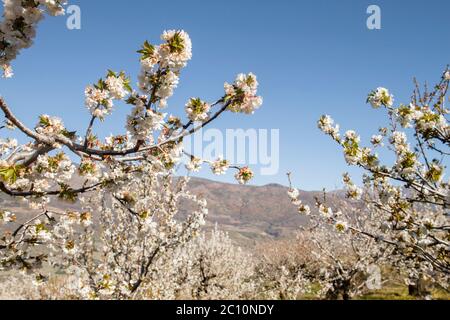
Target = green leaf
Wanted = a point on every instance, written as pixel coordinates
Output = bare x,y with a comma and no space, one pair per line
67,194
101,85
147,50
111,74
69,134
44,121
10,174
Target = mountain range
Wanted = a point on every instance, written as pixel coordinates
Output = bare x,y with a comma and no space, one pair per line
250,214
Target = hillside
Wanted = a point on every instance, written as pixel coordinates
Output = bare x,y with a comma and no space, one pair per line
249,213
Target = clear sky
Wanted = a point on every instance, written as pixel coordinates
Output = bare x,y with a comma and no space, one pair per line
311,58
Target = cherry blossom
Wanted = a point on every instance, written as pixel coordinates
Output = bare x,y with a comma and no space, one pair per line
123,183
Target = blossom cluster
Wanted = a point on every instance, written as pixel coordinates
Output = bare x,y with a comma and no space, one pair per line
6,217
294,195
197,110
143,122
380,97
18,28
220,166
244,175
100,96
242,94
326,124
161,65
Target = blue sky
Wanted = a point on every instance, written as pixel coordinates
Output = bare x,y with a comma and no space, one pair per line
311,58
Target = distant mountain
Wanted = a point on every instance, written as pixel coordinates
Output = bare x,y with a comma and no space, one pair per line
249,213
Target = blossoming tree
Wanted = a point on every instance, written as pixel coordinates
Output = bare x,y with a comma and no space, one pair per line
409,198
124,183
342,263
210,267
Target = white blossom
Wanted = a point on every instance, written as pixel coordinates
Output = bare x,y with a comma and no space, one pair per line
244,175
197,110
379,97
377,140
220,166
242,94
194,165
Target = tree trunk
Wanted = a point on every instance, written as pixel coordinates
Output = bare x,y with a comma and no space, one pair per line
418,288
